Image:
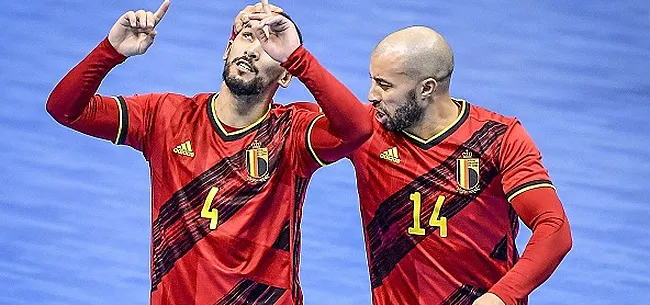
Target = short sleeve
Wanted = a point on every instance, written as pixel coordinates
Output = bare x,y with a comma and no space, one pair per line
136,118
306,161
521,163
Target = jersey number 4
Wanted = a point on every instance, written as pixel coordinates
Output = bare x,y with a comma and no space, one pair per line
434,221
207,211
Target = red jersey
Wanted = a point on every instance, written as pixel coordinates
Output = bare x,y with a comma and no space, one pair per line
227,203
438,225
213,239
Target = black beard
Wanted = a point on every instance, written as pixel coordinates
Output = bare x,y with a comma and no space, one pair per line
406,115
239,87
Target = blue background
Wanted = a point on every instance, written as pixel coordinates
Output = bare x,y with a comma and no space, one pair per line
74,211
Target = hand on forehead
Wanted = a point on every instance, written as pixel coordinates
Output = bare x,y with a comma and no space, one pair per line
242,18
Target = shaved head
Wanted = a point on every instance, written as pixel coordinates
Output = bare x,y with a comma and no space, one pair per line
423,53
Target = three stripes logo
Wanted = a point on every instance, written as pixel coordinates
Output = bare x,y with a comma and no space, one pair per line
391,155
184,149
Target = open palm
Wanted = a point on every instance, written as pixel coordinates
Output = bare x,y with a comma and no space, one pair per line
276,33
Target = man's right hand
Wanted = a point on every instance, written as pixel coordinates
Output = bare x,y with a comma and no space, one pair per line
242,18
134,32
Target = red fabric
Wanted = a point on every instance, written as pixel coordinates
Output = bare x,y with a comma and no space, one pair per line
333,136
469,169
72,103
346,124
258,171
520,160
541,210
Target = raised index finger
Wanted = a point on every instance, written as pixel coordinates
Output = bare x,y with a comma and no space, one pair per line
266,7
162,10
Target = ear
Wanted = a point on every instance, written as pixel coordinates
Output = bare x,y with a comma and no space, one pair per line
428,87
285,79
228,48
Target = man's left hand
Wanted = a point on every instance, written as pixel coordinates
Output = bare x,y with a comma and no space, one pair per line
276,33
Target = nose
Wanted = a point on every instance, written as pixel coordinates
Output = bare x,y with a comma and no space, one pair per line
253,51
373,96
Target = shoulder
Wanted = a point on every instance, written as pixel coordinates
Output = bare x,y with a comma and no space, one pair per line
303,106
169,104
482,114
297,110
481,118
199,99
172,99
181,102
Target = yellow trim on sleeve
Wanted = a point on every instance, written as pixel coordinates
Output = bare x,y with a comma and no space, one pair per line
309,146
528,188
119,120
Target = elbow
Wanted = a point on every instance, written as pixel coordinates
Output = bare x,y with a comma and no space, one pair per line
354,134
50,107
56,110
568,239
364,132
564,242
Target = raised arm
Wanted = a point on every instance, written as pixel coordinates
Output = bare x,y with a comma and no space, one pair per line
73,102
346,123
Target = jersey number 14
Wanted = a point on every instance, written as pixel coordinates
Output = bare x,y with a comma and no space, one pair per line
434,221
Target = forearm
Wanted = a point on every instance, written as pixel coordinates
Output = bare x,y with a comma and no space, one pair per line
542,211
73,94
346,116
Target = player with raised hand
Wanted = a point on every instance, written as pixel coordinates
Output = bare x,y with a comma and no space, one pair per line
229,169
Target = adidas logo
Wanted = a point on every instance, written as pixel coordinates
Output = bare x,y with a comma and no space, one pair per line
184,149
391,155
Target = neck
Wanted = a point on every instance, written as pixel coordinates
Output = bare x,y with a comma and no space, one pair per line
438,115
241,111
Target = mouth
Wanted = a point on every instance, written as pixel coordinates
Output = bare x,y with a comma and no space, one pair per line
380,115
244,66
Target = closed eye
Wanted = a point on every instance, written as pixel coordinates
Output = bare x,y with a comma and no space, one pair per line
382,83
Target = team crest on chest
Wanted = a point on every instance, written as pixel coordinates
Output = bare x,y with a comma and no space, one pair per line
467,173
257,162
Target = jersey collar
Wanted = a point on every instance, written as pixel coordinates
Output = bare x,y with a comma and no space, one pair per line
218,126
444,133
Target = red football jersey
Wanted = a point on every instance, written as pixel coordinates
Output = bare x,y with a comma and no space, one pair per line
438,225
226,205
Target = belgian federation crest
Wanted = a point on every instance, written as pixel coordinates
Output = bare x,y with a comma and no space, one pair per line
257,162
467,173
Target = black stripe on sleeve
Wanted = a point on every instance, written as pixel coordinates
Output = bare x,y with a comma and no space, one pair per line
529,184
123,123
